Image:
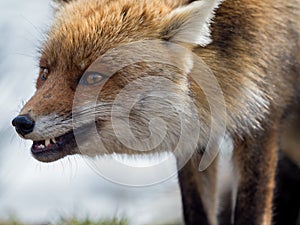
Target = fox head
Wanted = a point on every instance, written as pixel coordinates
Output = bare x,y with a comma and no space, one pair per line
84,31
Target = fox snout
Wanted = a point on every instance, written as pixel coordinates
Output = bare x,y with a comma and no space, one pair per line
23,124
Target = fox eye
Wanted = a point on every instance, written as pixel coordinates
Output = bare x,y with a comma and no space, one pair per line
92,78
44,73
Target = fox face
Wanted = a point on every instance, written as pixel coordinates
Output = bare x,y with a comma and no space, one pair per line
117,76
82,32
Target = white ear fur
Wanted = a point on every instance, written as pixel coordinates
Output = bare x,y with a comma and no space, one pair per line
57,4
190,24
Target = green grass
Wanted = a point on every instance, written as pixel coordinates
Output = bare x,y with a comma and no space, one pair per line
89,222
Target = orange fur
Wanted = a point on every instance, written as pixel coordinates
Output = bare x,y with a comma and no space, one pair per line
254,55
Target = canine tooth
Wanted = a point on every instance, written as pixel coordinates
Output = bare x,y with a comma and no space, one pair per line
47,142
54,141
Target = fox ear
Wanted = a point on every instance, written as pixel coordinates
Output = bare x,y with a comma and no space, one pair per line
190,23
57,4
61,1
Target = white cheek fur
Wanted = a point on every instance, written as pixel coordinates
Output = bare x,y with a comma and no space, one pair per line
49,126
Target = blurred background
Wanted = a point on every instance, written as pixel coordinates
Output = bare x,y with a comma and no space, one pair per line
42,193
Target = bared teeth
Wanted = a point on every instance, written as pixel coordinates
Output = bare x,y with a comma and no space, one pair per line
41,146
47,142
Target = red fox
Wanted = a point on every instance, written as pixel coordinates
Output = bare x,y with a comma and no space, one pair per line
251,46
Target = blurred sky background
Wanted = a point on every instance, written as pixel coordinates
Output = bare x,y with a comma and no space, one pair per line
36,192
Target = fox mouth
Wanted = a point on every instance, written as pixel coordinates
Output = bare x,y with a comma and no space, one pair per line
53,149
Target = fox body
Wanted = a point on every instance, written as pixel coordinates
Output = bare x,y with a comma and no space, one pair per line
251,46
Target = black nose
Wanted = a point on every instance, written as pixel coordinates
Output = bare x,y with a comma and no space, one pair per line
23,124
